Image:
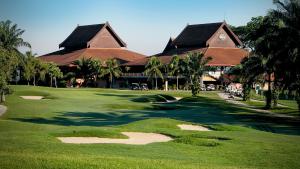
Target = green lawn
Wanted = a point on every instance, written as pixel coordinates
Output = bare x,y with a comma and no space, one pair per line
240,138
290,106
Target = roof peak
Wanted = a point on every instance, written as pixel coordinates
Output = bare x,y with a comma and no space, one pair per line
201,24
100,24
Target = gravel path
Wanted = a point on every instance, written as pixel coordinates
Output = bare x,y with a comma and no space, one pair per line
237,101
2,109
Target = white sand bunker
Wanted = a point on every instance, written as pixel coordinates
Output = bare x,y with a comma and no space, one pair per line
178,98
135,138
32,97
192,127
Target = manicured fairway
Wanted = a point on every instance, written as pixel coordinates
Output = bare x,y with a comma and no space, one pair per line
240,138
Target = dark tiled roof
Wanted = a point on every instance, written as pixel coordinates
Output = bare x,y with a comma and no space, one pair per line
196,35
63,58
81,35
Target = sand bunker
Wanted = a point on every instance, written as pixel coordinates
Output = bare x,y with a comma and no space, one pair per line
32,97
135,138
192,127
178,98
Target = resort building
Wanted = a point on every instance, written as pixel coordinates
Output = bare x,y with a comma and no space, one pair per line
213,39
97,41
101,42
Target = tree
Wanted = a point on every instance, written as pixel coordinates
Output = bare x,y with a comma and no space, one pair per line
153,69
175,68
10,40
29,65
54,73
248,72
112,70
288,13
195,67
10,36
244,32
88,69
8,62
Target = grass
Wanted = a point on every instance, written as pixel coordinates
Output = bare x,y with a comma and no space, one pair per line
289,107
240,138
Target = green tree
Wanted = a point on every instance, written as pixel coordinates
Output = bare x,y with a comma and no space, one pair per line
8,62
87,69
10,36
112,70
54,73
10,40
196,66
29,65
153,69
175,68
288,12
247,73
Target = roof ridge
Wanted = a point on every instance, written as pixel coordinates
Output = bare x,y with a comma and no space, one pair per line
206,23
91,25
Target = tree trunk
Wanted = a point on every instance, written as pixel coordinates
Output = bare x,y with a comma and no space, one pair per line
55,82
176,82
51,81
155,82
2,97
34,80
275,96
298,99
269,94
246,92
111,81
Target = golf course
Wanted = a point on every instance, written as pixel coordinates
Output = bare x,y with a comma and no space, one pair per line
237,137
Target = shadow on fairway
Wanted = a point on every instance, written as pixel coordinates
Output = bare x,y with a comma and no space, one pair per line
202,110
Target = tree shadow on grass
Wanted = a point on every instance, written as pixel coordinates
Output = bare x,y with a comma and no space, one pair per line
205,111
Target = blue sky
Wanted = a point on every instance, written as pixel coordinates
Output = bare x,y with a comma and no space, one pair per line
145,25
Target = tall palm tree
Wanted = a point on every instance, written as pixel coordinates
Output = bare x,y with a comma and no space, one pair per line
112,70
10,40
175,68
10,36
153,69
196,66
289,13
54,73
87,69
29,66
249,71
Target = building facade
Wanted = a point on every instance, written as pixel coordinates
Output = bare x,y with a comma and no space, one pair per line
215,40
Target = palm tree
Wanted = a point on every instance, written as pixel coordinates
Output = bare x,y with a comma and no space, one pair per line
196,67
249,71
175,68
29,66
152,69
87,69
288,13
10,40
10,36
54,73
112,70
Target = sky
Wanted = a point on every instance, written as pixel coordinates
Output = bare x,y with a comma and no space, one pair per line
145,25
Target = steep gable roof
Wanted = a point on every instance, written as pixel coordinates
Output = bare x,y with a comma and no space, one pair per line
198,35
82,35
